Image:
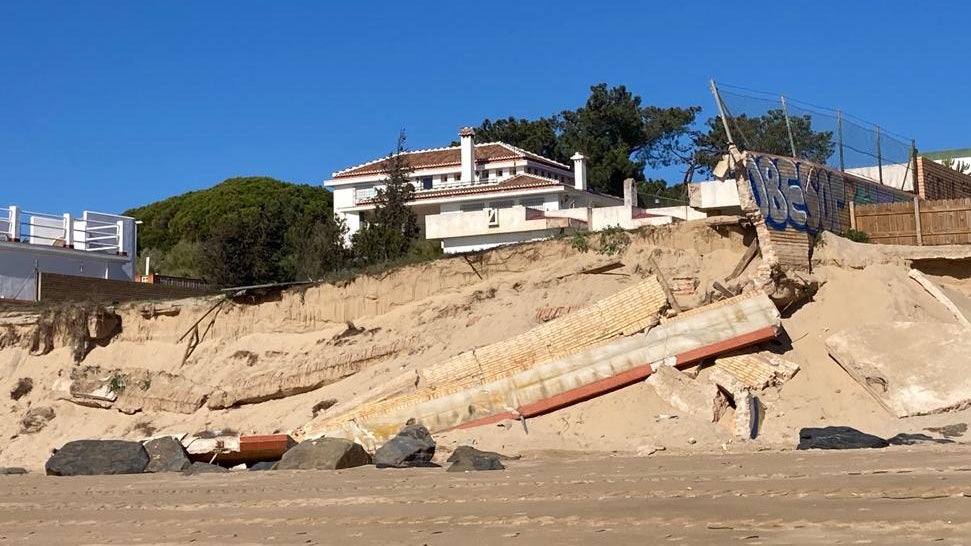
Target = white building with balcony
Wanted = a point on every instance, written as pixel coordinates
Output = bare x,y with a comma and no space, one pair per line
477,196
93,245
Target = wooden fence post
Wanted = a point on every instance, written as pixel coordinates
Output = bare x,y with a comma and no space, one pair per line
920,237
852,215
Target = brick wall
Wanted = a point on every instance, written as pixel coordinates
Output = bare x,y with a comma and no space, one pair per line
53,287
935,181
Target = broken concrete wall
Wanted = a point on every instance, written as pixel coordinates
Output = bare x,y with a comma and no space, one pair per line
718,328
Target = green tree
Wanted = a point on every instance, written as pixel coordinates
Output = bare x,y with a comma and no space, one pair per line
539,136
245,251
391,230
181,232
618,135
767,133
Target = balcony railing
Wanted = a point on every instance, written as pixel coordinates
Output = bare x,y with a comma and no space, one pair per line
87,233
364,195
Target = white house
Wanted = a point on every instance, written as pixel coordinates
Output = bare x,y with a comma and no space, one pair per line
477,196
93,245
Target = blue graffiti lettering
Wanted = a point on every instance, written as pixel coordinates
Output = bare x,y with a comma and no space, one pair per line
795,195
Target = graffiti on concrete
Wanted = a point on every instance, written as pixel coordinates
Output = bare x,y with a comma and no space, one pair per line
795,195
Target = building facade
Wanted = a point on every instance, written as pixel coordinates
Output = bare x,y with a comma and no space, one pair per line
93,245
476,196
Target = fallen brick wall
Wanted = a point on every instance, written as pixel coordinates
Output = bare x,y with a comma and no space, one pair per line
54,287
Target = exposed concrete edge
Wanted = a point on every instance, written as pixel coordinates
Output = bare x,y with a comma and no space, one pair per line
940,296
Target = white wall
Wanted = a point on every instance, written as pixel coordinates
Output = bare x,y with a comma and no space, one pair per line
714,194
482,242
19,263
896,175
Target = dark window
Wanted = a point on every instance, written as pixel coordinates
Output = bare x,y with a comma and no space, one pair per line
498,173
426,183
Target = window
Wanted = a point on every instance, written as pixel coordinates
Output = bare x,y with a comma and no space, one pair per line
498,173
471,207
502,204
485,175
535,202
444,178
426,183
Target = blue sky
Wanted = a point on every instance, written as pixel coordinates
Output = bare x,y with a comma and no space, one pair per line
105,105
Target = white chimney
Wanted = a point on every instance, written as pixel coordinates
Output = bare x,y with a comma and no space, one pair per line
467,137
579,171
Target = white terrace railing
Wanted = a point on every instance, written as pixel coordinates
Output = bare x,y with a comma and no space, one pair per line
93,232
363,195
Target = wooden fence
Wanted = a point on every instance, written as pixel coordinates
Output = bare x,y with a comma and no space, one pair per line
941,222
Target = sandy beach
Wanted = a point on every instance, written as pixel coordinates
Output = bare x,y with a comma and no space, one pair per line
893,496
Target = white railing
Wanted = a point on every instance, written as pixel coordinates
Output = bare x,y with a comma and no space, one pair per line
363,195
65,231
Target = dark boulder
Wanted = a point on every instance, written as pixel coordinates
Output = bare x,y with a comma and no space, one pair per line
93,457
324,454
12,471
462,452
166,454
263,465
412,446
204,468
838,438
468,459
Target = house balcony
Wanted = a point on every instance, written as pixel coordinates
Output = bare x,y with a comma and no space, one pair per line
92,232
516,219
366,196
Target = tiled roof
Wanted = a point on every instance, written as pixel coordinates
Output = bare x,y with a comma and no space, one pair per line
444,157
515,183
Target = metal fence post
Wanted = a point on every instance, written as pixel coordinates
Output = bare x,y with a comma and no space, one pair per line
839,136
879,156
913,157
785,112
721,111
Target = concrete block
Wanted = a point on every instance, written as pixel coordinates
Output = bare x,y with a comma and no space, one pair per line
701,399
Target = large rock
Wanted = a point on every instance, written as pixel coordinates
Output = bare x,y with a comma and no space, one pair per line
204,468
36,419
166,454
92,457
412,446
12,471
468,459
324,454
838,438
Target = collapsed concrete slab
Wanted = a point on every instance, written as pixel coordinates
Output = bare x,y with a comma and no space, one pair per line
701,333
701,399
910,368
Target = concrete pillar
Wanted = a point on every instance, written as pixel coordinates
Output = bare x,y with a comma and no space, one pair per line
14,223
68,230
467,139
579,171
122,251
630,195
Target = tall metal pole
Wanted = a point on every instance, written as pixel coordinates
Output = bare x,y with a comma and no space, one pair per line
839,136
913,157
879,156
721,111
785,112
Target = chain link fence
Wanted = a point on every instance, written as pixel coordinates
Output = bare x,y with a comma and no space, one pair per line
759,121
